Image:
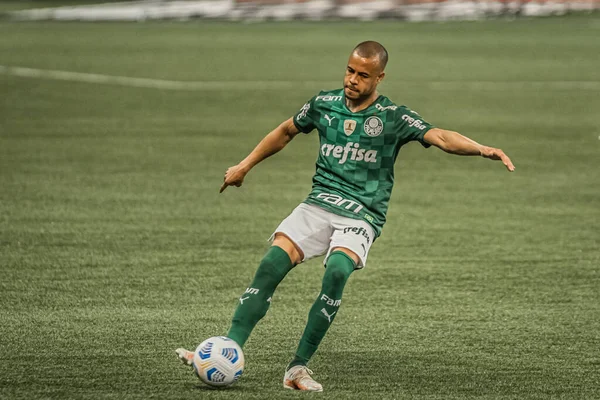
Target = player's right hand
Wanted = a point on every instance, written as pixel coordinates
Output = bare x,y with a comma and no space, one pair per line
497,154
234,176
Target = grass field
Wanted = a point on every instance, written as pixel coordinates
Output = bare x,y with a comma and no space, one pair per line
116,247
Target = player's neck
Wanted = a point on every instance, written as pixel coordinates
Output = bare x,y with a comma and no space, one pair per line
361,104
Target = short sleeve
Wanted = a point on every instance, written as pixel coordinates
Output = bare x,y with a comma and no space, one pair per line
413,126
305,119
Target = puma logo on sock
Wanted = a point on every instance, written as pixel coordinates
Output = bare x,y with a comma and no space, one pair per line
324,311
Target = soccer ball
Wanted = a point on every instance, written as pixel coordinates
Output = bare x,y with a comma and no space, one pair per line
218,361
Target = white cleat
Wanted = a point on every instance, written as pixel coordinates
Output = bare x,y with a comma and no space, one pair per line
298,378
185,356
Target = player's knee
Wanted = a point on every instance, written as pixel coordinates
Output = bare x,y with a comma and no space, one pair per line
338,269
268,272
337,277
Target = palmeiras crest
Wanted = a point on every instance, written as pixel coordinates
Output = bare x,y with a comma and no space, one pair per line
373,126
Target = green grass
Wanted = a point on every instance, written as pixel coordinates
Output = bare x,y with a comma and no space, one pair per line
116,248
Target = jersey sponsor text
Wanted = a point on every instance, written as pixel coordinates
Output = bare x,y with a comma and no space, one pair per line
303,111
417,123
382,108
358,231
340,202
328,98
352,149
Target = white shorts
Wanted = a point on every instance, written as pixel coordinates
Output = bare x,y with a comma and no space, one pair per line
317,231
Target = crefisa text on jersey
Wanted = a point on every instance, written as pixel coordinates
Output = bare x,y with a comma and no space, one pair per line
356,153
417,123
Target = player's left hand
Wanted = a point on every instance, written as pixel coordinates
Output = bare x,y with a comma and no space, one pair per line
497,154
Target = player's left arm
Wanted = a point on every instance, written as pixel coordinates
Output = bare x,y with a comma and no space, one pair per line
455,143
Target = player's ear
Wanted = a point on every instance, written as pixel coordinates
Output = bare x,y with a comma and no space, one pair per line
380,77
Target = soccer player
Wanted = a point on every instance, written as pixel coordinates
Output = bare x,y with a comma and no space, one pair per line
360,133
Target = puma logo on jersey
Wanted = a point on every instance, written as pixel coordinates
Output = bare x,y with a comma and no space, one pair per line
351,149
329,119
329,316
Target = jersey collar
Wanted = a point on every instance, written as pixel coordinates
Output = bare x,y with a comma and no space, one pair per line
361,111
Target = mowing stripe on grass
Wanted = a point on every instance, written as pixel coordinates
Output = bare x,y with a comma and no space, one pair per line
278,85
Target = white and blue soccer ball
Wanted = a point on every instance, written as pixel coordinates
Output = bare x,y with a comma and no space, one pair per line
218,361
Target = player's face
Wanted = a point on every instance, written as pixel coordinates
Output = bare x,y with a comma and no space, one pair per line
362,77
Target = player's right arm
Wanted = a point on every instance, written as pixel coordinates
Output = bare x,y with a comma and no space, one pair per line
275,140
455,143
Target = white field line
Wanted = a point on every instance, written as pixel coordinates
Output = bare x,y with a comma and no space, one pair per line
142,82
279,84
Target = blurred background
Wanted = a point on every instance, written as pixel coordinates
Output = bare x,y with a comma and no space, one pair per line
118,121
409,10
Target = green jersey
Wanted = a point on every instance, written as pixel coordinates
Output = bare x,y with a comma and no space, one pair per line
355,168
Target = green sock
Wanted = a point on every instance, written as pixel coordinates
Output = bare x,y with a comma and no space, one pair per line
323,311
255,302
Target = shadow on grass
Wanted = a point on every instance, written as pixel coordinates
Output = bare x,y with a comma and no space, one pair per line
227,389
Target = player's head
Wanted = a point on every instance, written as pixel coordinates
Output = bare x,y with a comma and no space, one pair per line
364,70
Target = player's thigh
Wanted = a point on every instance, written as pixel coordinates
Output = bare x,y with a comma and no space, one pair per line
355,236
309,229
